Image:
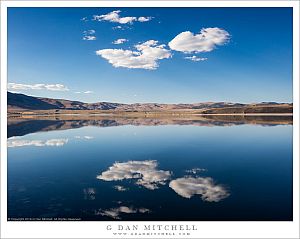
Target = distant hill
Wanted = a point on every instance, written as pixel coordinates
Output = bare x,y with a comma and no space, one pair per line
25,102
21,102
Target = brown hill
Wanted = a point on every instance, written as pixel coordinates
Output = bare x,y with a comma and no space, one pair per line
21,102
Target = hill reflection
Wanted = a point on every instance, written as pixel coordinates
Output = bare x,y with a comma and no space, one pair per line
19,126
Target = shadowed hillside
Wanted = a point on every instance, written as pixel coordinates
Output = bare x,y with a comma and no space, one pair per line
20,103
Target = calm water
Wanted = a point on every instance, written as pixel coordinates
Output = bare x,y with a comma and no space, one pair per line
164,172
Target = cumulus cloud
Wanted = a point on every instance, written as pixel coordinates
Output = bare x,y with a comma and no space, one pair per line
195,58
205,41
189,186
145,172
89,32
89,35
114,16
89,38
146,56
120,41
52,87
144,19
11,143
116,212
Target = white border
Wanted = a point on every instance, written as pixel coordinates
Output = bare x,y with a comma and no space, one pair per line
98,229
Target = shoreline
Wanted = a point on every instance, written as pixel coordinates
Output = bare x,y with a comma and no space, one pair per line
141,114
35,123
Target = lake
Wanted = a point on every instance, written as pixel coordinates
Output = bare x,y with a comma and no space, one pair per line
222,168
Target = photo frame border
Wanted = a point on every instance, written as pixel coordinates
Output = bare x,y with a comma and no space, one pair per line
99,229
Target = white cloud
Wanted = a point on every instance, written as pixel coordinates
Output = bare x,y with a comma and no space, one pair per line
144,19
189,186
89,32
120,41
11,143
114,16
195,58
89,38
52,87
144,172
84,92
88,137
84,19
89,35
115,212
146,56
117,27
205,41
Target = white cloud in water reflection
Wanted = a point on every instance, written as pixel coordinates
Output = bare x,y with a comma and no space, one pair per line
84,137
145,172
195,170
189,186
120,188
11,143
89,193
115,212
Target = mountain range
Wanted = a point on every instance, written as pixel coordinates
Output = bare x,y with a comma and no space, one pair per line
21,102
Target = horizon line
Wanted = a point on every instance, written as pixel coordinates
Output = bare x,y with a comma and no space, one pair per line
201,102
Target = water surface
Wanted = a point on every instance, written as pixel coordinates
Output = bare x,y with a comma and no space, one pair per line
142,169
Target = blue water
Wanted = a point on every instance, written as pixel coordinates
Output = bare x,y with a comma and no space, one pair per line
170,172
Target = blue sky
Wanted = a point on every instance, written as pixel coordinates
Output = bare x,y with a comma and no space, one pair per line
241,55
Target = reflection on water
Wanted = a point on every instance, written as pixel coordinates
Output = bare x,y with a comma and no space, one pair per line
147,175
120,188
22,126
89,193
209,191
11,143
195,170
116,212
145,172
198,168
17,142
83,137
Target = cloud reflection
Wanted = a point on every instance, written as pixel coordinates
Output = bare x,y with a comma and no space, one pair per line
189,186
84,137
195,170
120,188
11,143
145,172
89,193
116,212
